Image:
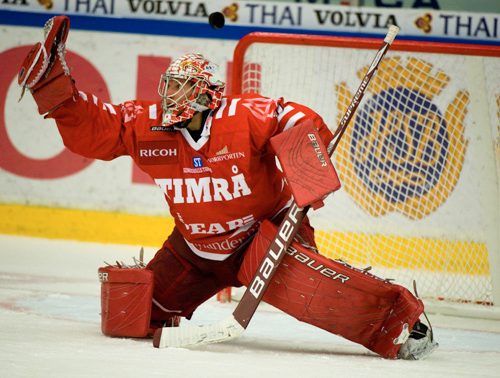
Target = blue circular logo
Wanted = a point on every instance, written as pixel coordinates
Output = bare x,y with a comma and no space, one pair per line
399,144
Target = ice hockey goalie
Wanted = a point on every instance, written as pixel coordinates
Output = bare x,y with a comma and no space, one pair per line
212,158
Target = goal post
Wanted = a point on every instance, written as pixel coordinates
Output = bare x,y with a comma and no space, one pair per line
419,164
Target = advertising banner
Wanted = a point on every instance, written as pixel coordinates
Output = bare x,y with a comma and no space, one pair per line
189,18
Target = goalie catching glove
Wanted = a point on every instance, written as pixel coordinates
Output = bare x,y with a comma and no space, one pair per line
44,71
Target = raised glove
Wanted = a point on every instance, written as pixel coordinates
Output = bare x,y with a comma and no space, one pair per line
44,70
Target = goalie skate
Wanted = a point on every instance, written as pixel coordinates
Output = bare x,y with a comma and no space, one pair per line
419,345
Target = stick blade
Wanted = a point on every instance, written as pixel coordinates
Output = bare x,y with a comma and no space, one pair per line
182,337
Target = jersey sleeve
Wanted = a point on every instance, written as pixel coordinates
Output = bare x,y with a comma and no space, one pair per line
269,117
290,114
95,129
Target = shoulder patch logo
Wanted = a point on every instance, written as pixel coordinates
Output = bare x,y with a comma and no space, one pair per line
261,108
130,111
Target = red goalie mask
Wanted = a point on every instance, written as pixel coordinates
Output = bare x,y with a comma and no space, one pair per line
190,84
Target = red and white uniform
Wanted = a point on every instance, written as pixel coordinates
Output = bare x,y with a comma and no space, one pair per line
218,188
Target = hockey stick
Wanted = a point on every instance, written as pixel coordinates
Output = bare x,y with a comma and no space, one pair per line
235,325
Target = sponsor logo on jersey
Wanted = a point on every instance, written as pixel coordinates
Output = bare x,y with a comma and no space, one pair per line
404,152
225,156
219,228
197,162
197,170
226,245
204,189
230,243
222,151
158,152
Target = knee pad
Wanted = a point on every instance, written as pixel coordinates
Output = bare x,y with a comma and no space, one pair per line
126,299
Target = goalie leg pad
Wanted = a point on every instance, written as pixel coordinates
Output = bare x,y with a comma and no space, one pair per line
126,295
335,296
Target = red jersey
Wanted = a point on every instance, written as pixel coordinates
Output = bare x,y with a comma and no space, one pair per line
219,187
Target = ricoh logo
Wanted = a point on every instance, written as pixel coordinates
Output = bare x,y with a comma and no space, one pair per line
158,152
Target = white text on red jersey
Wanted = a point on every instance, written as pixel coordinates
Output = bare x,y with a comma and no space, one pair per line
204,189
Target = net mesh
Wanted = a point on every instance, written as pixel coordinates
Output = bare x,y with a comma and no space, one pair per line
409,162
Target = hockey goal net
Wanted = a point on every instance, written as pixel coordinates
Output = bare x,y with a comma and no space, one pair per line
419,162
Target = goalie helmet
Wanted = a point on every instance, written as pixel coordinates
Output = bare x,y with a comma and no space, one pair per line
190,84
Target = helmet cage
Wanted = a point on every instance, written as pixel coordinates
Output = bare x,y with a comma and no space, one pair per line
198,89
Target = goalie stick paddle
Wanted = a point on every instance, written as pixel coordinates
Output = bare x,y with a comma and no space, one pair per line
235,325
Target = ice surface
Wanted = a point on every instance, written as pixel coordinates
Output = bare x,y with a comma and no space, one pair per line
50,327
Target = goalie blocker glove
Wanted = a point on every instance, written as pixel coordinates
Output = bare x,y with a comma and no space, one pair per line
44,70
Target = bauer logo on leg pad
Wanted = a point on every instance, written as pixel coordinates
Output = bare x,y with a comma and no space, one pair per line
314,264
